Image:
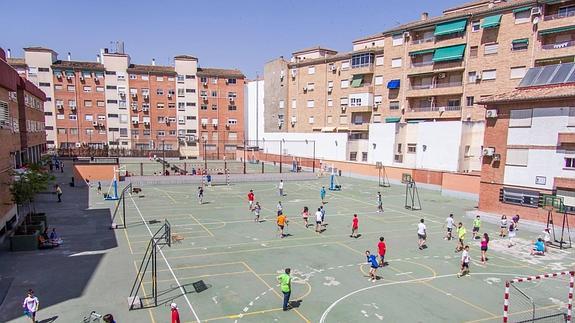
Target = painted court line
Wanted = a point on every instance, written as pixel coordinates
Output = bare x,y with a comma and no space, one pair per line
167,263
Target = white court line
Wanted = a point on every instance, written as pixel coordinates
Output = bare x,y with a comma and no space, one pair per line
167,263
326,312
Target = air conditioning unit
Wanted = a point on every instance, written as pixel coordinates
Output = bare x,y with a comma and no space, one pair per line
232,99
282,75
204,123
293,73
333,68
441,75
293,120
147,123
478,76
72,107
489,151
492,113
95,124
135,121
100,124
146,96
343,107
96,79
305,88
82,78
122,94
58,75
280,123
205,83
329,89
215,122
497,157
145,109
441,109
227,81
78,144
205,98
535,11
134,94
68,76
59,106
167,121
169,96
134,108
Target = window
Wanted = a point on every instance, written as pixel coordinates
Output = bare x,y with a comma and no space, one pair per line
232,81
343,119
190,90
393,105
202,79
160,91
311,70
517,157
329,119
111,87
181,93
282,104
329,102
72,103
343,101
61,131
293,103
160,106
70,88
112,115
161,119
87,89
377,118
522,17
344,84
123,118
232,108
214,107
473,51
490,49
489,75
99,89
353,155
364,156
144,77
32,70
397,40
475,26
112,101
571,120
518,72
520,118
182,77
232,121
355,102
73,131
379,60
377,99
43,84
202,107
310,120
570,162
161,133
58,86
100,103
470,101
45,69
344,65
101,117
520,44
378,80
472,77
133,77
310,103
411,148
89,117
73,117
87,103
215,94
396,62
214,80
60,117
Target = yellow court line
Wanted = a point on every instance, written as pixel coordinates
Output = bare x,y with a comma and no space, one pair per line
203,226
128,240
274,290
203,266
144,291
191,237
168,195
202,276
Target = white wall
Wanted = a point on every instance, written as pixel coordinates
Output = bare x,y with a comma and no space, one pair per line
442,141
545,125
327,145
383,136
254,109
548,163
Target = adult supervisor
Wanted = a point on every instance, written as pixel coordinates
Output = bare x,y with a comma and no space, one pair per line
285,285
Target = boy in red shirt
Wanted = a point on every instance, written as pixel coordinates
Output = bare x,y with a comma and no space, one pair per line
381,249
354,226
175,313
251,198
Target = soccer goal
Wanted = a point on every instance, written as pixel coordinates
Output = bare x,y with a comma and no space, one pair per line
541,298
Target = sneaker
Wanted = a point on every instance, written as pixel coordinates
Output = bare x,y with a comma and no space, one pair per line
420,248
373,280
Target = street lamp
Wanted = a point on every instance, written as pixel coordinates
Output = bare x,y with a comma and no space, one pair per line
164,156
205,156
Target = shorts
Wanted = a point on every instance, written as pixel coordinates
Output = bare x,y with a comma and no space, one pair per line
475,229
483,248
281,226
374,268
421,236
465,265
251,202
318,222
449,230
382,258
461,241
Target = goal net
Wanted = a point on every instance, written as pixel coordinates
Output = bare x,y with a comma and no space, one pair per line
546,298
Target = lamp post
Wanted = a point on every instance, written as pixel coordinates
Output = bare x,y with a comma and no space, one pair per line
205,156
164,156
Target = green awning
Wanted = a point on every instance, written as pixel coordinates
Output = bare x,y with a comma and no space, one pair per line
357,80
556,30
421,52
392,119
491,21
521,9
521,41
451,53
414,121
451,27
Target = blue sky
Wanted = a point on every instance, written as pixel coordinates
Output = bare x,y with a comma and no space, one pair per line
227,34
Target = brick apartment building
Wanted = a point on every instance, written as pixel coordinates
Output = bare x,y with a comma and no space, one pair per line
394,84
21,133
530,144
115,104
221,116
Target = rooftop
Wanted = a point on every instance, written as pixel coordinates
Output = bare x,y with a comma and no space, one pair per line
313,49
220,72
151,69
186,57
548,92
17,62
92,66
39,49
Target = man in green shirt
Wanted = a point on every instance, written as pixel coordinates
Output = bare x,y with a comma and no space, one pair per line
461,235
285,284
476,227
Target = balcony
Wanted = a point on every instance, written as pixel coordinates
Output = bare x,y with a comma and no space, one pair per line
363,108
561,15
359,126
362,69
559,45
557,18
429,66
436,112
364,88
421,64
423,40
444,88
566,139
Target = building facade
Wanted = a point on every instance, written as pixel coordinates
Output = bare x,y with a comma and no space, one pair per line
429,71
22,135
132,108
529,147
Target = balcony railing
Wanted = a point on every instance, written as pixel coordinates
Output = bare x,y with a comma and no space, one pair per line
559,16
436,86
432,109
421,64
422,40
558,45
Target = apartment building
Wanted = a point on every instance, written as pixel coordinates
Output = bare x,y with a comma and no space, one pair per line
221,112
419,81
21,133
112,103
529,147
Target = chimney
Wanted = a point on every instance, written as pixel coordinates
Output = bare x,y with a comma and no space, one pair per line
8,53
98,58
424,16
153,62
69,56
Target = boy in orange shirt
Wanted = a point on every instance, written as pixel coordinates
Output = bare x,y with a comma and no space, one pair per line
281,221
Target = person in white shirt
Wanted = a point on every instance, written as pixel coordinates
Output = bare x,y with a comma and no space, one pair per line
280,207
464,262
281,187
318,216
31,305
379,203
449,224
421,234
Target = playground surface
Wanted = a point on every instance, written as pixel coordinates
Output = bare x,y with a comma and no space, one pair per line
239,259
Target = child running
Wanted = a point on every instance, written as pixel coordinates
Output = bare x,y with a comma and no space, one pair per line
251,198
322,215
449,225
373,264
484,245
421,234
322,194
503,226
381,249
280,207
200,195
379,203
464,262
476,227
282,222
305,216
257,210
461,232
318,220
354,226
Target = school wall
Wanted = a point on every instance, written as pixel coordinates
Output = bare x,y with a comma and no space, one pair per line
381,143
93,172
327,145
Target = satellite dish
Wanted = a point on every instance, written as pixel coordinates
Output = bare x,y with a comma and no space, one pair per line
535,20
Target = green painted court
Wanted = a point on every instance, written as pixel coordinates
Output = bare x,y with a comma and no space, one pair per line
239,259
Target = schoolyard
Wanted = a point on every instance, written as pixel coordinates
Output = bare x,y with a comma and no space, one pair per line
239,259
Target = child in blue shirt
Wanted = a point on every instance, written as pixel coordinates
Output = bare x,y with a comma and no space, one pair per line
372,260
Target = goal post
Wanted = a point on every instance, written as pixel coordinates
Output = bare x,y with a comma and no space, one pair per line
550,301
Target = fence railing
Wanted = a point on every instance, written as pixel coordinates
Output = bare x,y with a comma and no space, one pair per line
558,45
559,15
